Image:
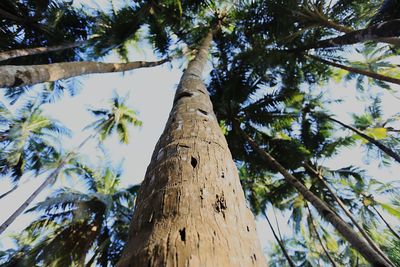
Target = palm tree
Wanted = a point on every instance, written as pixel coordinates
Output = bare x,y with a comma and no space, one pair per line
80,228
191,188
28,139
117,118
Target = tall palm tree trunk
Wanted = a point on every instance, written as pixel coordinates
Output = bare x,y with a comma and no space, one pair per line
316,174
48,181
191,208
280,242
5,55
367,73
323,209
378,144
12,76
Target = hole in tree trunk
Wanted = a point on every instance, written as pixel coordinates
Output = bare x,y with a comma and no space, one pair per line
182,95
203,111
182,233
193,162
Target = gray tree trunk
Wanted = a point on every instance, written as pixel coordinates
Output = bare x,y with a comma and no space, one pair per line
12,76
4,55
191,208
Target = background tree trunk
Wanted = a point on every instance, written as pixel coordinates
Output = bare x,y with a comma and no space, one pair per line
378,144
12,76
323,209
191,208
4,55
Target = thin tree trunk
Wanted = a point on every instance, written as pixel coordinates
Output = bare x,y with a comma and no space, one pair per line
378,32
280,242
316,174
323,209
190,209
9,191
378,144
5,55
11,76
387,224
319,238
367,73
49,180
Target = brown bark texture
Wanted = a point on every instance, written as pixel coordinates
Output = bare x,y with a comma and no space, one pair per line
191,208
13,76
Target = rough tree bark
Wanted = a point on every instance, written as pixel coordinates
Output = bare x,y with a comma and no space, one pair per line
12,76
323,209
191,208
5,55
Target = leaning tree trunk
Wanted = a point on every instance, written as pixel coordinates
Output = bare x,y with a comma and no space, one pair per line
279,241
378,32
12,76
316,174
191,208
314,228
387,224
50,179
387,150
323,209
367,73
5,55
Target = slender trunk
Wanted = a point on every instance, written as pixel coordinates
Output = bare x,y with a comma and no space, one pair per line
323,209
367,73
280,242
49,180
316,174
190,209
378,144
11,76
5,55
387,224
379,32
9,191
319,238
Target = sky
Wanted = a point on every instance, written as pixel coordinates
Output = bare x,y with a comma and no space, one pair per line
151,93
